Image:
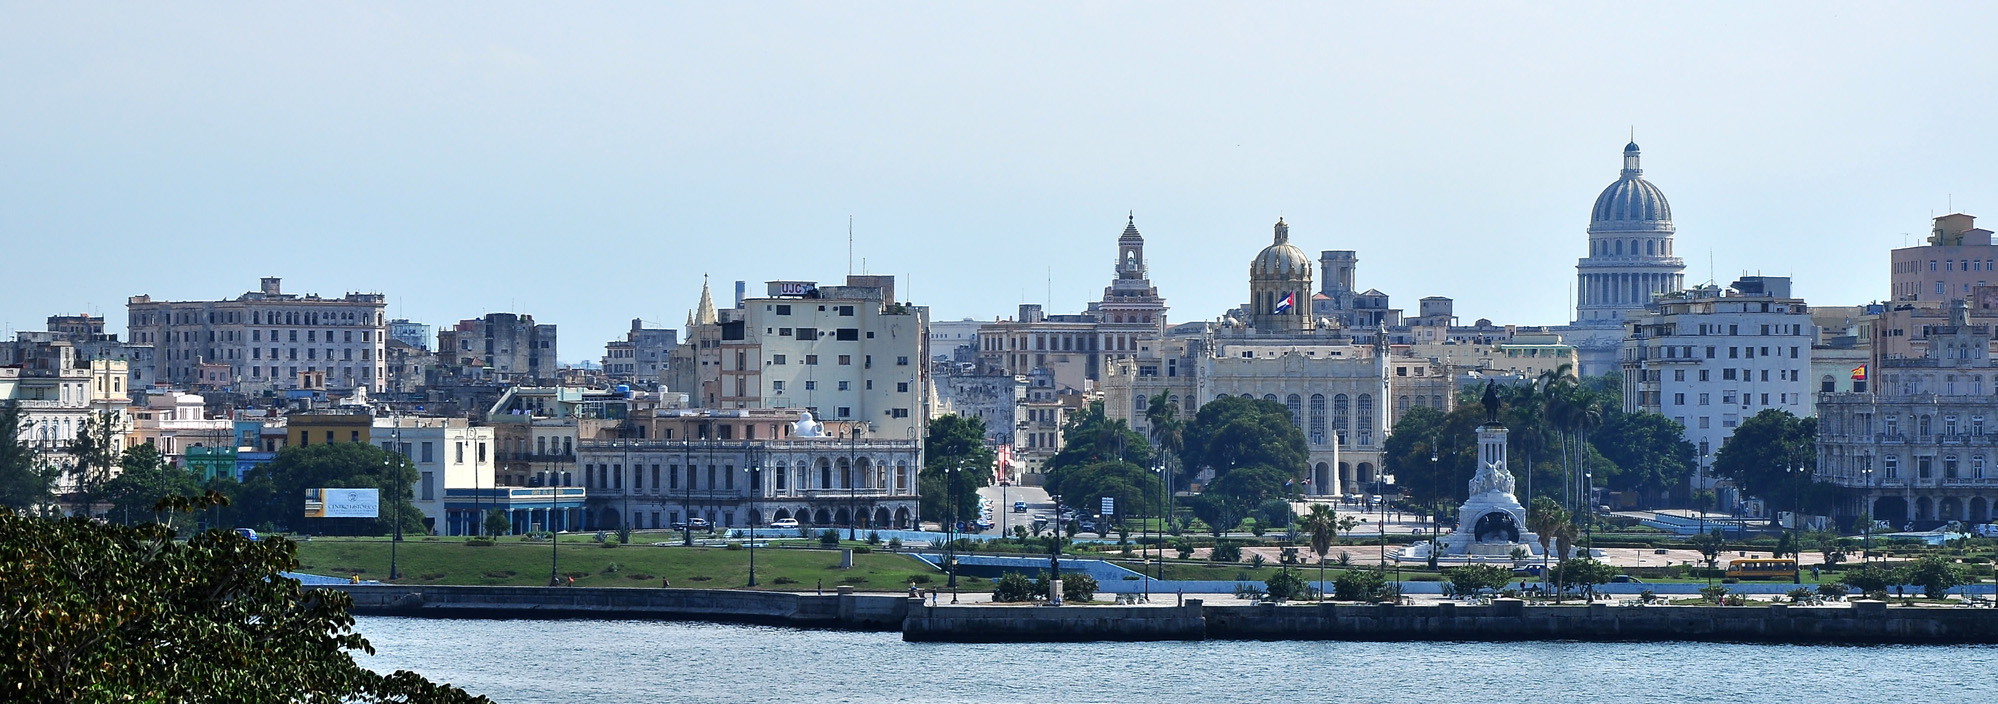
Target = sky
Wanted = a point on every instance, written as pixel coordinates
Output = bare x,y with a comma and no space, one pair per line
589,163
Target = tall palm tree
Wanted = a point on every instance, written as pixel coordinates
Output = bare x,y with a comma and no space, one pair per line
1162,417
1322,524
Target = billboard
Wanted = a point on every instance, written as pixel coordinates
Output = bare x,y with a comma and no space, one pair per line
343,503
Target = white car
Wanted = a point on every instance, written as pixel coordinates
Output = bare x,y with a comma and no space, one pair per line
784,523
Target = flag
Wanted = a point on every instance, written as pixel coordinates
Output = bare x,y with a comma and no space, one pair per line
1283,306
1859,373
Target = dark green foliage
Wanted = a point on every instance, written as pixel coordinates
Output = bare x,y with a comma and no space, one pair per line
956,464
1288,585
1138,491
1475,579
1225,551
1275,513
275,493
1091,437
829,538
1936,575
1234,432
1762,450
1014,587
100,612
144,478
1584,572
1873,580
95,451
1368,584
497,523
1075,586
26,483
1646,452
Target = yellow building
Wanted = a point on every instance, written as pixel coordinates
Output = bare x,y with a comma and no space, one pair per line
329,425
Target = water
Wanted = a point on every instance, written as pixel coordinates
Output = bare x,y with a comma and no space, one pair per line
649,661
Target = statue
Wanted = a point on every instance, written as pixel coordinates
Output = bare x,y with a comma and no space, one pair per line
806,427
1491,402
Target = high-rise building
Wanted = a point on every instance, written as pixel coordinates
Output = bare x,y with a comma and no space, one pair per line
1710,358
500,346
642,355
267,339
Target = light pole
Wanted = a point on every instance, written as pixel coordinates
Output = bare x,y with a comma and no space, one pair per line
755,490
687,489
396,537
1866,543
950,531
852,487
1589,500
1798,474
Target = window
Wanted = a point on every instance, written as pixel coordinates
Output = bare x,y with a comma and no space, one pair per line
901,361
1977,467
845,412
783,309
1678,375
1733,353
843,386
901,387
846,360
811,360
1703,375
1703,422
777,385
1949,466
1727,374
1891,466
898,413
1678,399
1704,398
811,385
1924,467
777,359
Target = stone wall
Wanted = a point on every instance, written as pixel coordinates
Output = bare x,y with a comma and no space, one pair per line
843,610
1512,620
990,623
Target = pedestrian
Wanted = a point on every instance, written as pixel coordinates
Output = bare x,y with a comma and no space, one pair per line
665,583
572,581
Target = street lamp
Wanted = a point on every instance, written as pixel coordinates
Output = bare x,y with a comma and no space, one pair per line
687,488
950,531
1866,479
1798,471
852,487
755,470
1589,500
396,537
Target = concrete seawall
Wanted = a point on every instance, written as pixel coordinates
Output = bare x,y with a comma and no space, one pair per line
1864,622
841,611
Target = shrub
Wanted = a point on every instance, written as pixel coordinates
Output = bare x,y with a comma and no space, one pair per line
1425,578
1647,596
624,534
1360,585
1832,590
500,574
1287,585
1799,595
783,580
1226,552
1713,594
920,579
829,538
699,578
1184,547
873,537
1730,580
895,543
478,543
608,544
858,549
1013,587
613,568
1255,559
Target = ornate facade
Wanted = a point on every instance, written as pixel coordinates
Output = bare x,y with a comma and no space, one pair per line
1630,260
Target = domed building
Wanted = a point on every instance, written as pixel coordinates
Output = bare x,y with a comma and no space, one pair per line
1280,287
1630,260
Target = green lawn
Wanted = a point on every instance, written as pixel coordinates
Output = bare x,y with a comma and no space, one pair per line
512,562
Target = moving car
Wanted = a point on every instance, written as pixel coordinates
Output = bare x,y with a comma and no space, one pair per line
784,523
247,533
1019,507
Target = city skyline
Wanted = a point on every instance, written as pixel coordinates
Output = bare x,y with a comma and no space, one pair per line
461,165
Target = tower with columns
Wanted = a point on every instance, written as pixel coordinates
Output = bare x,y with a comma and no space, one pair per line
1630,260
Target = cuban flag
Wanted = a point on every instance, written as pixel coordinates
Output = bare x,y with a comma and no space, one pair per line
1283,306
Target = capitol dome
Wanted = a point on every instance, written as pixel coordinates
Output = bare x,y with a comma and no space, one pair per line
1632,204
1281,260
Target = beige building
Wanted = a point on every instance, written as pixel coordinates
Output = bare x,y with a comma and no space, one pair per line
269,339
1126,323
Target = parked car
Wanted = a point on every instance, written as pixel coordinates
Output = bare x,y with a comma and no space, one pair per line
1019,507
1625,579
247,533
784,523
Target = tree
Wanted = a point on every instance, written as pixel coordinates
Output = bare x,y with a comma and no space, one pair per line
1249,487
1014,587
1584,572
1936,575
95,449
1646,452
956,464
1275,513
1471,580
1136,489
274,493
1322,524
1219,510
1710,545
26,483
1235,432
1763,450
143,479
1369,584
1092,437
1287,585
102,612
497,523
1545,518
1424,433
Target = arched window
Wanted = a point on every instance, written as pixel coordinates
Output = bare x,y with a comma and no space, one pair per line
1317,430
1296,405
1619,246
1651,246
1342,419
1365,411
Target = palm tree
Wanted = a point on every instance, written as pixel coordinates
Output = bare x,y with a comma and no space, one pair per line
1323,525
1545,518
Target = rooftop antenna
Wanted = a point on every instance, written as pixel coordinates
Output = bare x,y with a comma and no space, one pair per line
1051,287
849,245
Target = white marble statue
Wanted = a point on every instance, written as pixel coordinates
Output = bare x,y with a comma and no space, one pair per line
807,428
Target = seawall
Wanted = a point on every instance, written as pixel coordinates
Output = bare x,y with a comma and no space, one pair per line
1863,622
843,610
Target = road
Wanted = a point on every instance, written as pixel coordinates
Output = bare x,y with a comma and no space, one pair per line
1002,498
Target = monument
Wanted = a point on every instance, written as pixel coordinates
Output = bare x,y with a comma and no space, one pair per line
1492,522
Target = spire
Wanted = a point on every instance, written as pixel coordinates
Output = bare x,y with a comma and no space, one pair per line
1282,231
1131,228
705,315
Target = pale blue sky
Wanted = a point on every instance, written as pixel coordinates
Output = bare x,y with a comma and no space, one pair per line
587,163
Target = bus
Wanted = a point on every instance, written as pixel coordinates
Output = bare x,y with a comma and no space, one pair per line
1762,568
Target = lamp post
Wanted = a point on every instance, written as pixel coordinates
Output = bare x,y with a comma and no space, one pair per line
1054,556
396,537
1866,543
852,487
1797,470
950,530
687,490
755,490
1589,500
